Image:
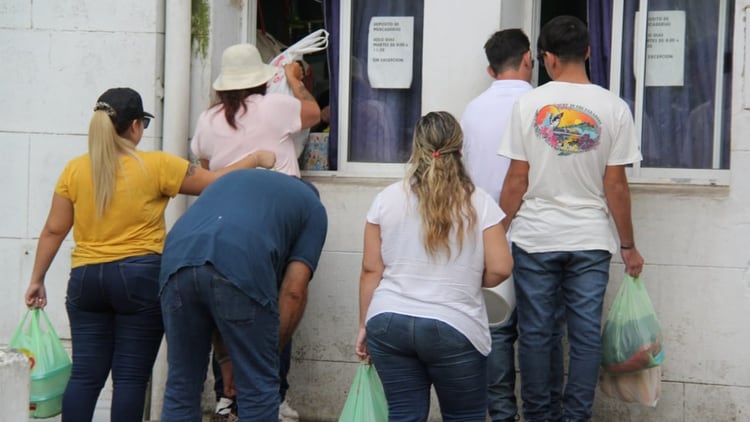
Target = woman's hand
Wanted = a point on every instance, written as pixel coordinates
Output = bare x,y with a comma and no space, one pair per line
361,346
266,159
293,72
36,295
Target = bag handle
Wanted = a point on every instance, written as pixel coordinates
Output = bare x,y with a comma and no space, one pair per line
50,327
35,330
312,43
19,329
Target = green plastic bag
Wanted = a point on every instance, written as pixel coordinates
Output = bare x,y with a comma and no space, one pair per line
49,362
631,338
366,400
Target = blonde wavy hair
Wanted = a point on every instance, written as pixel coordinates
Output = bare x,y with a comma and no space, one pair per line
105,146
441,183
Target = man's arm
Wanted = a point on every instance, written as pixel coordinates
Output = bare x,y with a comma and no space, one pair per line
514,187
292,299
617,191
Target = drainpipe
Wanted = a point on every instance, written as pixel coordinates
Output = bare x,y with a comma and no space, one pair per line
176,124
176,131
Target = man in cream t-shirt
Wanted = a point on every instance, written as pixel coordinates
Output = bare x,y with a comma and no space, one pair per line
569,142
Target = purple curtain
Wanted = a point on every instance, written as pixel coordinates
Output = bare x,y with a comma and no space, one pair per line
600,33
678,121
331,12
381,121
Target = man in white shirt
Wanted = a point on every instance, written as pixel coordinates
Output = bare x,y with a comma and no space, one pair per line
569,142
483,123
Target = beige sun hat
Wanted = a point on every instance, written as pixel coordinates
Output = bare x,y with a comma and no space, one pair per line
242,67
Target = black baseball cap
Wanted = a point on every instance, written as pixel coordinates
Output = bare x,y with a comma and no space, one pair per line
126,103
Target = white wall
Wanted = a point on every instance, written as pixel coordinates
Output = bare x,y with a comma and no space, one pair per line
58,56
453,63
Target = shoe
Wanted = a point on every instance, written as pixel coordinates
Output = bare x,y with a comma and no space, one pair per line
286,413
224,406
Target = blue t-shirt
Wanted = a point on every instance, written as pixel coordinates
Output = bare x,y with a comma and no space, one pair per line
249,224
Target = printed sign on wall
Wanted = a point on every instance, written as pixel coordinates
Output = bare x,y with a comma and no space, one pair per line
665,48
390,52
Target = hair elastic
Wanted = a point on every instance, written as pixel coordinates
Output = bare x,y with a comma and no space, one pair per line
436,154
101,105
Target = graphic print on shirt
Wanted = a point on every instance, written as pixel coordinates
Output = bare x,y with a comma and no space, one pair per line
568,128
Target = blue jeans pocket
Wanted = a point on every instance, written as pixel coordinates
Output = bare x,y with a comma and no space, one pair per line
449,337
140,278
378,325
75,284
231,303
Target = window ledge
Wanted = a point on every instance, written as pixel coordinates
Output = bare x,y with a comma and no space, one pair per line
681,189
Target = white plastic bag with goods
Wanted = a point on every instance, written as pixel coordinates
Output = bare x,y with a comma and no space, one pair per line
312,43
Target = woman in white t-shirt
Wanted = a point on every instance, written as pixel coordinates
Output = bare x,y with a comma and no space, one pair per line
432,241
246,119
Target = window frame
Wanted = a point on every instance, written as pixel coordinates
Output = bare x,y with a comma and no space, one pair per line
660,175
345,167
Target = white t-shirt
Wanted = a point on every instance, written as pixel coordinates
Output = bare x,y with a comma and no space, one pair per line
267,124
483,124
568,133
416,284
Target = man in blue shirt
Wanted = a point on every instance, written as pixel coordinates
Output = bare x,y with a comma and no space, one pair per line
238,262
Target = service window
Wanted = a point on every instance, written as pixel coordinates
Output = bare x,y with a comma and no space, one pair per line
675,70
381,61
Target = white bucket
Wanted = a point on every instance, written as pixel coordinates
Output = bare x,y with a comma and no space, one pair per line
500,301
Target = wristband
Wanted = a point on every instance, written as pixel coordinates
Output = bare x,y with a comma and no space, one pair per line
630,246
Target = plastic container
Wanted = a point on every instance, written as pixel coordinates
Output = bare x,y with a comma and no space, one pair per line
500,302
45,399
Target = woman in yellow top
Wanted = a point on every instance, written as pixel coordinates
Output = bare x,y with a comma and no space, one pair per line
114,199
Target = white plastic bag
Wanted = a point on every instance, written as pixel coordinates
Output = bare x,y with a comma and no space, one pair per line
312,43
643,387
268,46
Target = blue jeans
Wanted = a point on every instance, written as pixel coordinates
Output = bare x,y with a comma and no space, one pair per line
285,363
581,277
195,301
411,354
501,371
115,325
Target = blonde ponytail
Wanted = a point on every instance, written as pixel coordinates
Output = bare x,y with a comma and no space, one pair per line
105,147
441,183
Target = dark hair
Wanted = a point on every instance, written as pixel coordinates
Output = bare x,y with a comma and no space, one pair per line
505,49
233,100
567,37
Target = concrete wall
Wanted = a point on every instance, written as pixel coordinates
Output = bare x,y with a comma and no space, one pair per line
59,55
14,390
